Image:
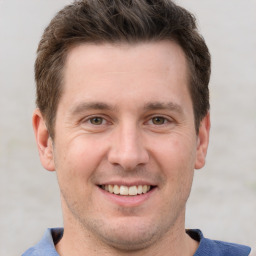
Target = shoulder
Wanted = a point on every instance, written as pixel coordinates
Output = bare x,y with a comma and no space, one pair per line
46,246
208,247
225,249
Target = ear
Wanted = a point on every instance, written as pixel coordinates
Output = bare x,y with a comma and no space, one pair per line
43,140
202,141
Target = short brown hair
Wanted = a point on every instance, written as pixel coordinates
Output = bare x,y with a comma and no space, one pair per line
119,21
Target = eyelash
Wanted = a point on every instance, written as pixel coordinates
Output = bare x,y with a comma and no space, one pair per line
164,119
91,118
150,120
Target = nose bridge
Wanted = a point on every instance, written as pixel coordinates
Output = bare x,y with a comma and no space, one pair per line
128,149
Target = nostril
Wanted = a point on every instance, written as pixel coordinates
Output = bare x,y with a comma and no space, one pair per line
128,152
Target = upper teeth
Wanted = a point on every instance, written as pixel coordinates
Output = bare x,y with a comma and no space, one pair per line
125,190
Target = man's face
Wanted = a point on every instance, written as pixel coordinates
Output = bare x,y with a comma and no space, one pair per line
125,122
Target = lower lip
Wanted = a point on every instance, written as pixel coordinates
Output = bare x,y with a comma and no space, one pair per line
128,201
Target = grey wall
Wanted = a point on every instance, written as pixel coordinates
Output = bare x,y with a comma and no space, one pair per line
223,200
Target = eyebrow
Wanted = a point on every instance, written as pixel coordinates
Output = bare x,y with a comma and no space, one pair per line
163,105
85,106
80,108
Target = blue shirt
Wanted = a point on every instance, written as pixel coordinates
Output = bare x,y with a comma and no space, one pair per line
207,247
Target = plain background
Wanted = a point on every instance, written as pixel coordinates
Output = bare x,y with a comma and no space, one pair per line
223,200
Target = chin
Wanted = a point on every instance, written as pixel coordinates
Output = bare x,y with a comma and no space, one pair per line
129,235
130,241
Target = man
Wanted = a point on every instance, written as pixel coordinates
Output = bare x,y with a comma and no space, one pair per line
123,119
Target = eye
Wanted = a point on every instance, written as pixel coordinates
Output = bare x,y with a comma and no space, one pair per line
158,120
96,120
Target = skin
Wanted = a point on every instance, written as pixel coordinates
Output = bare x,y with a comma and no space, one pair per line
144,133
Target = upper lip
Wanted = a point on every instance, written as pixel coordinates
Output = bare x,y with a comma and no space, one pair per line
127,183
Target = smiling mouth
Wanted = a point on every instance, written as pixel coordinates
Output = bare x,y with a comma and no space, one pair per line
126,190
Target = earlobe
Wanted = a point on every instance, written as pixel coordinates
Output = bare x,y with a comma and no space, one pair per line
43,140
203,141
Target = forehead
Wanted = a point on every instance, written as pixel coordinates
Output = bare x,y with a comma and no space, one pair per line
104,56
122,71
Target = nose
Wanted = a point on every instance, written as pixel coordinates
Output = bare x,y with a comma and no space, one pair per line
127,149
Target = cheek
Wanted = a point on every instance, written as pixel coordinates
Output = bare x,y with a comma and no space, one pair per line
73,170
75,164
176,151
79,157
175,159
